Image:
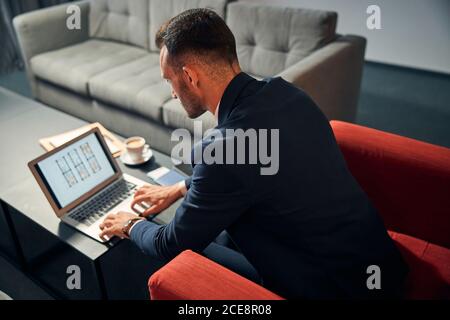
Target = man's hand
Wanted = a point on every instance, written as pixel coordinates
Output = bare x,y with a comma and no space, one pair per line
113,224
158,197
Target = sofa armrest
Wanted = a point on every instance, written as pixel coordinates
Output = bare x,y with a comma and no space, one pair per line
407,180
332,76
190,276
45,30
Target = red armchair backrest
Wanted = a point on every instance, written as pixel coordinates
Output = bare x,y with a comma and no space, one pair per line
407,180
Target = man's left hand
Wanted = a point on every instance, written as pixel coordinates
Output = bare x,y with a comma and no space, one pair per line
113,224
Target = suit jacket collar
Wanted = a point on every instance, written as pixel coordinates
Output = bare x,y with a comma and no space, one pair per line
231,93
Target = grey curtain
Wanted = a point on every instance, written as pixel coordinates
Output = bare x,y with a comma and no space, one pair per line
10,59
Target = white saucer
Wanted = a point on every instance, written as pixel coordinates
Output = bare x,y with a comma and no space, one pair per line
126,159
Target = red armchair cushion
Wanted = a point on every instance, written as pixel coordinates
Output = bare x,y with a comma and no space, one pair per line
409,183
407,180
429,267
190,276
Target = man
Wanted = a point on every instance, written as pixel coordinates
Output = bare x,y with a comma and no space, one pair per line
308,228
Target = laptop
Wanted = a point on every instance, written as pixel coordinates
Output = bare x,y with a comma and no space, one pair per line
83,182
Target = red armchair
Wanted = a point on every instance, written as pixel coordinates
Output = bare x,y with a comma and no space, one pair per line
407,180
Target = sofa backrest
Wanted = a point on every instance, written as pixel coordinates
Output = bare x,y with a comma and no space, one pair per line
120,20
162,10
270,39
137,21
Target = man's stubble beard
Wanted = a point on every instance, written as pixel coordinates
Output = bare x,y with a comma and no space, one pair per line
190,103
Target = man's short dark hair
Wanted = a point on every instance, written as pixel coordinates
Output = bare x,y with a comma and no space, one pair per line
200,32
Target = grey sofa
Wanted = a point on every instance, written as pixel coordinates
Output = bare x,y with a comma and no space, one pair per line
108,71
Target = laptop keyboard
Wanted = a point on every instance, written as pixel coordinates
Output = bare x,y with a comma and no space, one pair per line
98,206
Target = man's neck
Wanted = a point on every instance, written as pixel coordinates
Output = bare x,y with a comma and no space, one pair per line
216,92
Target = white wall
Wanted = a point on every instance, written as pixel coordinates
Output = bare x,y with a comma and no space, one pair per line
415,33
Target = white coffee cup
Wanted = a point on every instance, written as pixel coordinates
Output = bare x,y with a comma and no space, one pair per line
136,147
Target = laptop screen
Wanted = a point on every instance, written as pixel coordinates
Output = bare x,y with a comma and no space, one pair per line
75,170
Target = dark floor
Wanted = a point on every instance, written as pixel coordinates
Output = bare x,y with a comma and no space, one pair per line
17,82
408,102
17,285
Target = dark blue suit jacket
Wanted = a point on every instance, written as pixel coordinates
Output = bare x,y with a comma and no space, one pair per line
309,230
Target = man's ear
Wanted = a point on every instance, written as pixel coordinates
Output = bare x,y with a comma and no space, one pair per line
191,76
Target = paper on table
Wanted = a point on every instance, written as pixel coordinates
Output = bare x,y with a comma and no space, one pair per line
58,140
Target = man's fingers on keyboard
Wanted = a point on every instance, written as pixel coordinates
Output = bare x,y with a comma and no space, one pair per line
140,198
140,191
152,210
133,207
140,207
109,217
143,201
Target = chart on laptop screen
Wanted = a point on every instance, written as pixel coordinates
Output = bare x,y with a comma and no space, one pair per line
82,171
76,169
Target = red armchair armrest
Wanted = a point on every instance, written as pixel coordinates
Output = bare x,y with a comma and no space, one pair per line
190,276
409,183
407,180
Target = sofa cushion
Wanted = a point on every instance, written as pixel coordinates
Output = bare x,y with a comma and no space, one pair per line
162,10
72,67
120,20
175,116
429,267
136,86
270,39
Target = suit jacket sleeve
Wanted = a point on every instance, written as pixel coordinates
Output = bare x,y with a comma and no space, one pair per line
216,198
187,182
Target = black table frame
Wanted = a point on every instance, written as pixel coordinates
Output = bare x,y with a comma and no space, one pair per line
34,240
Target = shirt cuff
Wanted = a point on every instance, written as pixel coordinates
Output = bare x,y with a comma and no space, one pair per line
134,224
182,185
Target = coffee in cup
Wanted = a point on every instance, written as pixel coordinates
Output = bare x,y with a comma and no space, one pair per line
136,147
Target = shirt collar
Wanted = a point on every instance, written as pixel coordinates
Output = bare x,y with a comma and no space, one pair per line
231,93
216,113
